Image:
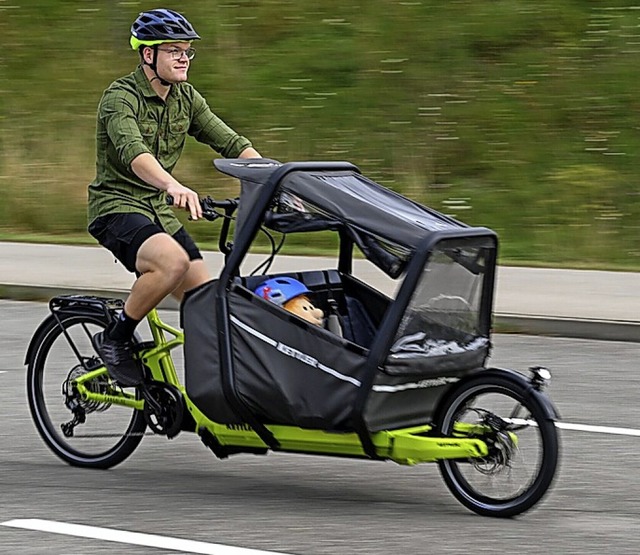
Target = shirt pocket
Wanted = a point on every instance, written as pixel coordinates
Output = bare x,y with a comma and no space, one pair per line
179,124
149,131
178,128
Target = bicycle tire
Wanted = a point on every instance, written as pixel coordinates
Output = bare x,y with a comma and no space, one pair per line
110,433
528,436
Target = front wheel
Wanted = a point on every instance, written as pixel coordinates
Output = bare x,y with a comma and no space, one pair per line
81,432
522,441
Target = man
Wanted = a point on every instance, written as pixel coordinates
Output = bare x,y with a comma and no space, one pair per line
143,120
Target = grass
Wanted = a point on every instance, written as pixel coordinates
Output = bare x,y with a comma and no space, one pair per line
517,116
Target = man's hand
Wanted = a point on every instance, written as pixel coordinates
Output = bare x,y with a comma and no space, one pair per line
183,197
147,168
250,152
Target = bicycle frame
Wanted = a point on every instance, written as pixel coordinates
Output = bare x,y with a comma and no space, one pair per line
406,446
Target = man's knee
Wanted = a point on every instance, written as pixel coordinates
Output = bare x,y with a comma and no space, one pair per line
197,275
162,254
177,266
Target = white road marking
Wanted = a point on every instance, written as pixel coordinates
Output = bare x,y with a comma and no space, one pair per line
582,427
598,429
131,538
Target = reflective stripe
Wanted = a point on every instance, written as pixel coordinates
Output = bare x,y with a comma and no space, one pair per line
294,353
422,384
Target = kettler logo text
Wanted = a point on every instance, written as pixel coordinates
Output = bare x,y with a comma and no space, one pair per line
294,353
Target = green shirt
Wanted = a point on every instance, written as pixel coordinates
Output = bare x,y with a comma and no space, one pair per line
132,120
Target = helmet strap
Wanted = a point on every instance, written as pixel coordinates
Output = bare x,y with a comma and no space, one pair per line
154,66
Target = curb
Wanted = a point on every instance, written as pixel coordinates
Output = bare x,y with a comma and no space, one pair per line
42,293
578,328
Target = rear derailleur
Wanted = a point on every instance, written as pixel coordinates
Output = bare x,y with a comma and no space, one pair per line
78,406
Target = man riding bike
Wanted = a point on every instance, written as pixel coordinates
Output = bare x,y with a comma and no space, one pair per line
143,120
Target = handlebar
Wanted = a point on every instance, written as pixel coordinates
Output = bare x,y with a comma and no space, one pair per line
210,212
210,207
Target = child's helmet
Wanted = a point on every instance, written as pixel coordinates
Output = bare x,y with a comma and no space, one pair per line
158,26
281,289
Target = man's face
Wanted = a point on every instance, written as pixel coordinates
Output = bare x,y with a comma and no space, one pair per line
173,62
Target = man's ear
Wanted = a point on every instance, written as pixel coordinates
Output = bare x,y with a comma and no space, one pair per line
147,54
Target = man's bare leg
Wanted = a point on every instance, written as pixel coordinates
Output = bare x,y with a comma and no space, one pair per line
196,275
164,265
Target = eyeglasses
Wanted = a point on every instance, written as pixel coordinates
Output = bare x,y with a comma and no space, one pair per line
177,53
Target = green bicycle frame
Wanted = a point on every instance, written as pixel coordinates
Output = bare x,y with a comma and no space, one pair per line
406,446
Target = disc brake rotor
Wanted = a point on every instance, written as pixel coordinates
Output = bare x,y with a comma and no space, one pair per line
500,441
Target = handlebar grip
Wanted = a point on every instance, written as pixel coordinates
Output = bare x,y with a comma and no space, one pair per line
209,206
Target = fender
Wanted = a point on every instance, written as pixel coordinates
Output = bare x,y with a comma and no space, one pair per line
551,411
518,379
101,307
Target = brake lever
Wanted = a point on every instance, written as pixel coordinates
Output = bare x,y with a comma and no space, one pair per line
208,213
208,210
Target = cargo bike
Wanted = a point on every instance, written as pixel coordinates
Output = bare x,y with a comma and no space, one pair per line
398,376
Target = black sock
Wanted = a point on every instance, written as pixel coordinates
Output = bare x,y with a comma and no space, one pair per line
123,327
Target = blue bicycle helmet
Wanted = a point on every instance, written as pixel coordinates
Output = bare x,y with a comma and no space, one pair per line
158,26
281,289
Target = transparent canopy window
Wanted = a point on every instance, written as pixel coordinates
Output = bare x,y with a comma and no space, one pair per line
445,313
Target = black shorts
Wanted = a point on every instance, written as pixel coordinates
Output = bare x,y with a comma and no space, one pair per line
123,234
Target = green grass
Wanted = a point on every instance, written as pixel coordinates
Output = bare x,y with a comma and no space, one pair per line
518,116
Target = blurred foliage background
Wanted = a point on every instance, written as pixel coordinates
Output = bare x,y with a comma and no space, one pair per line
521,116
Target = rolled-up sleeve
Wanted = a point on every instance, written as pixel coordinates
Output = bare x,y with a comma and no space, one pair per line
118,113
209,129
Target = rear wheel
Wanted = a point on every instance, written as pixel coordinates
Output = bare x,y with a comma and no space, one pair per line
81,432
522,440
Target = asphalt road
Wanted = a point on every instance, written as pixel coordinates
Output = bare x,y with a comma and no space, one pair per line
311,505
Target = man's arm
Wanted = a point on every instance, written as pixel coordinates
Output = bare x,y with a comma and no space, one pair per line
147,168
206,127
